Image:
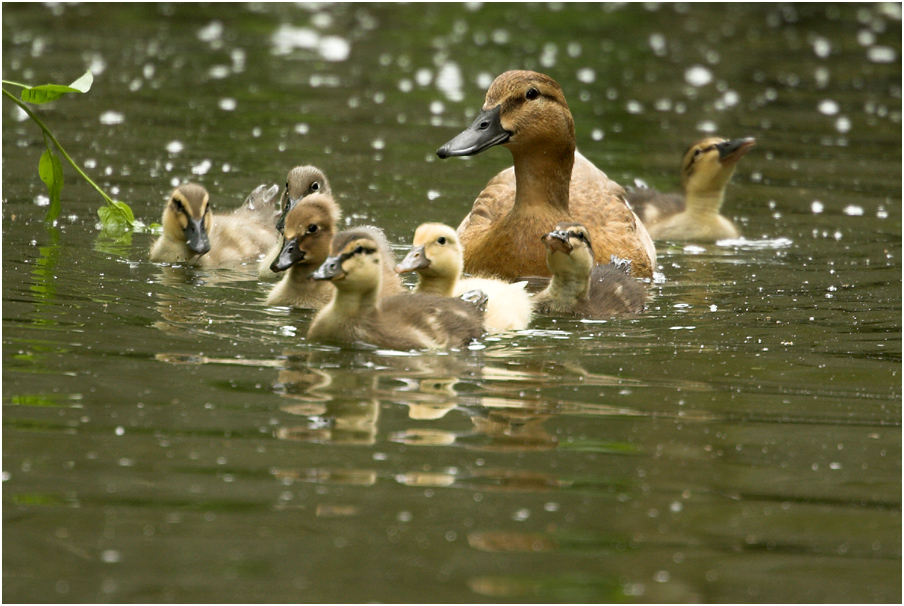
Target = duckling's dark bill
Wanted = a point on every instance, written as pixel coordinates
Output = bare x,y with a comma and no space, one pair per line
485,132
734,150
330,270
196,236
416,259
288,256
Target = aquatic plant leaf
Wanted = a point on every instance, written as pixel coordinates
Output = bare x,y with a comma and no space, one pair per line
116,216
50,170
51,92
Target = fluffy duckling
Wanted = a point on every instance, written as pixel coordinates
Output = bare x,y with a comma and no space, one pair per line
300,182
705,171
193,234
578,286
309,229
550,182
436,257
403,322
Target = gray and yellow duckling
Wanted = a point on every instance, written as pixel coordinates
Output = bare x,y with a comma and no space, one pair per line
578,286
406,321
694,216
194,235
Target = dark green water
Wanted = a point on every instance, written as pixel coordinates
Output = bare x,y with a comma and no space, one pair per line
168,437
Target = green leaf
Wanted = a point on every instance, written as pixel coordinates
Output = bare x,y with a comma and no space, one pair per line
51,92
51,171
116,216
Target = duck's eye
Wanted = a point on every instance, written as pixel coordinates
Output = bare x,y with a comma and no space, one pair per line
315,186
358,250
441,240
698,152
312,228
532,94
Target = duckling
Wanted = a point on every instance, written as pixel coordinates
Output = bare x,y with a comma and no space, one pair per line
405,321
300,182
579,287
705,171
193,234
550,182
436,257
309,229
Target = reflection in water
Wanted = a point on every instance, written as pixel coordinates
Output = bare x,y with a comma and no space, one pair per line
43,275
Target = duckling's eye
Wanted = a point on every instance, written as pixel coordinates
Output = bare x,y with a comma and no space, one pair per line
532,93
358,250
698,152
312,228
441,240
315,186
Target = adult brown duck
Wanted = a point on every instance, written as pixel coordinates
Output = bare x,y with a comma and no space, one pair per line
550,182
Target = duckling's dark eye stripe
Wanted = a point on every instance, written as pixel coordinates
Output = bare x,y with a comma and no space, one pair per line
359,250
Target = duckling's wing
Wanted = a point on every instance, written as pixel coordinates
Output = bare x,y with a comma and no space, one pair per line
652,206
262,204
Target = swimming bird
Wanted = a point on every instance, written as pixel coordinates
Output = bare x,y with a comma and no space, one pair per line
192,234
301,181
437,258
550,182
581,288
403,322
706,168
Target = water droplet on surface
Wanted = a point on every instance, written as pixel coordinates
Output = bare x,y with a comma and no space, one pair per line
112,117
698,76
828,107
174,147
227,104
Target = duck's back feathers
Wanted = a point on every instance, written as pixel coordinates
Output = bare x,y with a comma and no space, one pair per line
422,321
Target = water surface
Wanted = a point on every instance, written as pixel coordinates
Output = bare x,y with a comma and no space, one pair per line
169,437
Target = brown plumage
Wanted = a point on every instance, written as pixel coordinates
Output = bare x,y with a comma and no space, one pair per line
578,286
550,182
706,169
309,229
192,234
405,321
301,181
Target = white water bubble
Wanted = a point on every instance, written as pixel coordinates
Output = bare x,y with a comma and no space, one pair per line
881,54
828,107
334,48
698,76
111,117
227,104
174,147
852,210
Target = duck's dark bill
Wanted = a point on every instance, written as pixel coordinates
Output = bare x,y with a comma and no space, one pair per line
196,236
485,132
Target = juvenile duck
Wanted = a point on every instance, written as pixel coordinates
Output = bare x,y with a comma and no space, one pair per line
578,286
309,230
193,234
405,321
705,171
305,245
437,258
300,182
550,182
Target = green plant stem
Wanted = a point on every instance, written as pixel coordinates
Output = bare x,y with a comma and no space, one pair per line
56,143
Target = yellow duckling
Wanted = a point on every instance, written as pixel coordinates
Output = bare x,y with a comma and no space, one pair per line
549,183
300,182
705,171
578,286
193,234
405,321
436,257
